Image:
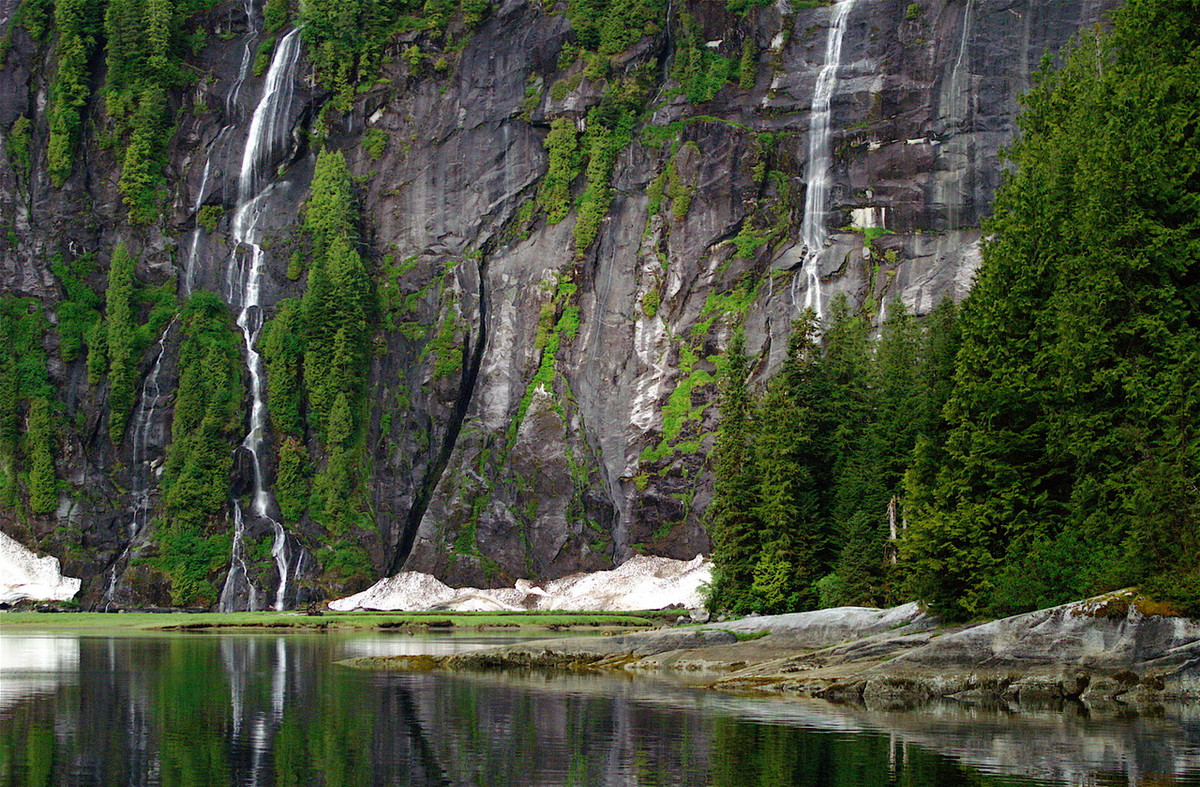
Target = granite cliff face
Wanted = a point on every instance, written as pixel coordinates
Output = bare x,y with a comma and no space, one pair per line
571,429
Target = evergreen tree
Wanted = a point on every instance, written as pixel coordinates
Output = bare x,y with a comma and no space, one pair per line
1071,458
789,507
732,524
40,449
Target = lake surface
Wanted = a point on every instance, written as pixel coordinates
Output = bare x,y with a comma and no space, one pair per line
242,709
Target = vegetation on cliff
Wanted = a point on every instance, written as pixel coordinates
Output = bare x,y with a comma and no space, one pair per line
1065,459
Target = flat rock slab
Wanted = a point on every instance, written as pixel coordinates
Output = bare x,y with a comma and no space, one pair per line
1103,650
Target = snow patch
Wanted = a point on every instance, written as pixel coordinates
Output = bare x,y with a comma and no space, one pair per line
25,575
643,582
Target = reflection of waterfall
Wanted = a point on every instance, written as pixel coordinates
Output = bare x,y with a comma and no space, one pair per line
147,430
254,725
817,176
265,141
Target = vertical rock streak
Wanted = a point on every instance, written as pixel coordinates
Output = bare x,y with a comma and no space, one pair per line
817,177
264,142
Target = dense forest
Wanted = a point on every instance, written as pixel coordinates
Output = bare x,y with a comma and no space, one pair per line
1038,444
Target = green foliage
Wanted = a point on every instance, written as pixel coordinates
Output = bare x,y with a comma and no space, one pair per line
121,341
283,352
609,27
275,15
79,309
209,217
292,479
346,38
562,147
748,65
145,44
700,71
375,143
650,302
262,57
830,440
23,384
609,130
79,26
912,12
679,190
35,16
330,211
192,544
743,6
39,451
730,516
1070,460
18,146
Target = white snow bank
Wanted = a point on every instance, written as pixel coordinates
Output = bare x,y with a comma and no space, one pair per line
25,575
642,582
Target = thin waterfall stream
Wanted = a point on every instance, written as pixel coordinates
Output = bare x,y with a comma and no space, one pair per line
141,481
265,141
817,175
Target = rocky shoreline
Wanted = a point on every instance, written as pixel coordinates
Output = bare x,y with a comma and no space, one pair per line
1113,650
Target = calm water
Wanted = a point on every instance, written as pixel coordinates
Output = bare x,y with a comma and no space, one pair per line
209,709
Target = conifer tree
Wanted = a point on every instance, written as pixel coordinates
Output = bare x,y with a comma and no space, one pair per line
40,449
789,508
732,524
1070,460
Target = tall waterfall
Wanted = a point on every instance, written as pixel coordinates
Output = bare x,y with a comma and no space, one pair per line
265,141
817,176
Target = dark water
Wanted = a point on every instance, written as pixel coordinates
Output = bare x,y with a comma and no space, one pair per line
208,709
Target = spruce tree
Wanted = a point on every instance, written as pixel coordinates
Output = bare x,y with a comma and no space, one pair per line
1070,462
789,509
732,523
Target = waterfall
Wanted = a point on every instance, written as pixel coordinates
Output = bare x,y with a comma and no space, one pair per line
265,141
817,176
141,473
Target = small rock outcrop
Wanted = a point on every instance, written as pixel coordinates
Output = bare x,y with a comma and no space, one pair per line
1108,650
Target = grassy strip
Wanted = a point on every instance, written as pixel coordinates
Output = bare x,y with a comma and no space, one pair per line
147,621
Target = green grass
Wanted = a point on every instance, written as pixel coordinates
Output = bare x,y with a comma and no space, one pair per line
148,621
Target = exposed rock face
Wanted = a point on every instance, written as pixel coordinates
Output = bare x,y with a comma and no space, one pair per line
491,471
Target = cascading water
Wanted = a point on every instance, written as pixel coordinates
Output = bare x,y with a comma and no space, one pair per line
265,140
817,176
144,434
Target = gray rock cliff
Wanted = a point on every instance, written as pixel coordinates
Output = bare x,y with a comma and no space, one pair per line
573,431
